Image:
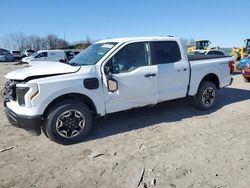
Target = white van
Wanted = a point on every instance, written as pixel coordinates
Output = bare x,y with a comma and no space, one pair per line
46,55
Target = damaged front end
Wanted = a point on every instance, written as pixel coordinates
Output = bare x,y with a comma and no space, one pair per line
19,91
9,91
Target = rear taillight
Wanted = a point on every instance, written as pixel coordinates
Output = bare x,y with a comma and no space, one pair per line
231,66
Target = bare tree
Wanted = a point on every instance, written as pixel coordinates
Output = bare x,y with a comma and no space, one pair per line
185,41
188,42
191,42
51,40
19,41
6,42
54,42
88,41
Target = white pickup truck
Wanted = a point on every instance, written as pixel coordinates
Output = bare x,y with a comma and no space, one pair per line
110,76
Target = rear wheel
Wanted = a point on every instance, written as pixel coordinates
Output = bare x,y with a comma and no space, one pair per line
206,96
68,122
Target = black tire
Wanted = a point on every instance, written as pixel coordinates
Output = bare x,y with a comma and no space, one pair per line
206,96
44,129
71,129
247,79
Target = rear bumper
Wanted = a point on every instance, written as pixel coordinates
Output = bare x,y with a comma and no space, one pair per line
29,123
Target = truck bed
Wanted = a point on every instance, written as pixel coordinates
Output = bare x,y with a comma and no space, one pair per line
203,57
202,65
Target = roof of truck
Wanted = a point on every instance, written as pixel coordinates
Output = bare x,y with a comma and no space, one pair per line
129,39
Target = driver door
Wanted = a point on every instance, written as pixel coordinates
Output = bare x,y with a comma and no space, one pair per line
135,76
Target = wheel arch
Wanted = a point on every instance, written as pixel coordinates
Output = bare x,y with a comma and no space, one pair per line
211,77
71,96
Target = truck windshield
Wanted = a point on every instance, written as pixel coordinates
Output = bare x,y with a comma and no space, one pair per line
92,54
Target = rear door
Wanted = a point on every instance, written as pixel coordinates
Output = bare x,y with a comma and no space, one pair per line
136,76
173,70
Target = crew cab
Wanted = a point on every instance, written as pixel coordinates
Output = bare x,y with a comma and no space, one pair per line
61,99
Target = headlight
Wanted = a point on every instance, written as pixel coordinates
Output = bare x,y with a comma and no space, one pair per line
25,93
20,93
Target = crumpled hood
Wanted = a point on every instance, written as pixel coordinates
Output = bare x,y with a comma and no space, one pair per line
46,68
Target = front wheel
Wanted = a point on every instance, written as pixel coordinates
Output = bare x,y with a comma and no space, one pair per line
206,96
68,122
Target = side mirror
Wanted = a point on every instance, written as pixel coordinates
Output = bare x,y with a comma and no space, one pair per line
112,85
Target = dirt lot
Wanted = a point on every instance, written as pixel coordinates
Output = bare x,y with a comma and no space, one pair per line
170,145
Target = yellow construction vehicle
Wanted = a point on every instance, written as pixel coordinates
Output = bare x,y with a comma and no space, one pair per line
240,52
201,45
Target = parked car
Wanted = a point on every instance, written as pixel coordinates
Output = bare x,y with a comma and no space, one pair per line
209,52
28,53
110,76
6,56
46,55
246,72
243,62
69,55
215,52
3,51
17,54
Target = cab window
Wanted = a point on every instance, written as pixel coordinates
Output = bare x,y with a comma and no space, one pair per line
129,58
42,54
166,52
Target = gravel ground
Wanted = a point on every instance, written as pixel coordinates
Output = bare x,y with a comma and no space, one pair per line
169,145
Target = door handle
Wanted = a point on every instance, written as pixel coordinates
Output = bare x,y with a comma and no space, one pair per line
180,70
150,75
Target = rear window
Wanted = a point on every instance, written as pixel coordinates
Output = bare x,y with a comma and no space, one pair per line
166,52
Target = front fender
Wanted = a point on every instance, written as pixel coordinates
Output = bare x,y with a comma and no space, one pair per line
48,92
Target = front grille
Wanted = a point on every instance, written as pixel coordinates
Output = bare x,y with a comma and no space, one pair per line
9,90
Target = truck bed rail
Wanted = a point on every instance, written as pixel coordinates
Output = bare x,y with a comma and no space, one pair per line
203,57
